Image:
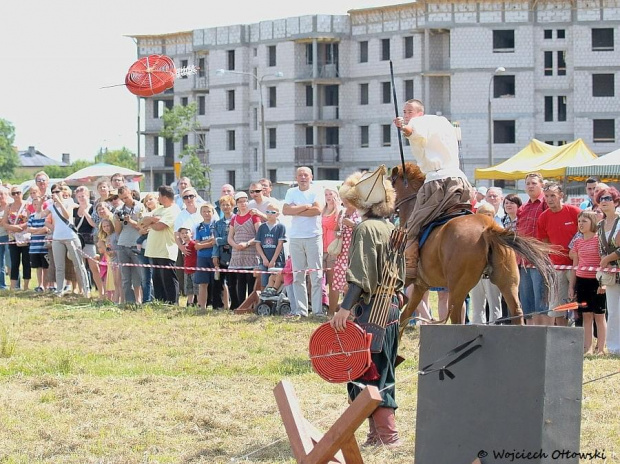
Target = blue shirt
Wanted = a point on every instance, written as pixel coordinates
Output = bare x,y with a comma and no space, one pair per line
203,232
37,247
269,240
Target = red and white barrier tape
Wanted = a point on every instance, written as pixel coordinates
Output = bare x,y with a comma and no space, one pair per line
559,267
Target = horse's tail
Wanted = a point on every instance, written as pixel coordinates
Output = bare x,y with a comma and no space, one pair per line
533,250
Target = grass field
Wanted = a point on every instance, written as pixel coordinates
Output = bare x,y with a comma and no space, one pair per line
91,383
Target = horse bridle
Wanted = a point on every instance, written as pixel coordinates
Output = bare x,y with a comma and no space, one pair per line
407,198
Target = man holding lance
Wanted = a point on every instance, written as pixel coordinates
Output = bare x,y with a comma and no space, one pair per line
446,189
371,279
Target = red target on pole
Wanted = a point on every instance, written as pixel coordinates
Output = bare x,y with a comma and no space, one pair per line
151,75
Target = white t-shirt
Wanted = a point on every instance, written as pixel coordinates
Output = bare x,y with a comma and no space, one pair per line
305,226
61,229
188,220
435,147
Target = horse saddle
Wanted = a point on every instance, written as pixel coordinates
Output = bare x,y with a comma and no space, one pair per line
441,220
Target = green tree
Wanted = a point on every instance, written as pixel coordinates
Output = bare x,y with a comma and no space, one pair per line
9,159
179,122
123,157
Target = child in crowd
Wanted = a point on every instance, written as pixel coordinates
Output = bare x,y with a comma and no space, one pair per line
110,238
204,244
287,279
583,285
38,251
107,279
189,261
270,239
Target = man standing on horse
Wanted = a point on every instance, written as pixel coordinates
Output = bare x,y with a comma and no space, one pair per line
446,189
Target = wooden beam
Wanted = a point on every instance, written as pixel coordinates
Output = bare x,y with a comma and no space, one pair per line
294,422
338,445
340,434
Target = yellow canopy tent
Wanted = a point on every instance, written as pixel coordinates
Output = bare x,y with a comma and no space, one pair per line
549,160
533,155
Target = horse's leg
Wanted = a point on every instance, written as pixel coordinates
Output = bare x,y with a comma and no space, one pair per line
456,304
506,276
412,304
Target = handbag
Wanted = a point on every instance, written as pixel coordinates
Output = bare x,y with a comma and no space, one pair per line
22,239
606,278
335,247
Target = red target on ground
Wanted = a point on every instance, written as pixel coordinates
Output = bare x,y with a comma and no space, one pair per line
151,75
340,356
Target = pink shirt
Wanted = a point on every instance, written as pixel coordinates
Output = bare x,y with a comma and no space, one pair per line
330,223
587,253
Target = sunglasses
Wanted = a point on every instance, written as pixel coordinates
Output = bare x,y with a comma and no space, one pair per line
271,212
256,191
607,198
40,181
16,193
189,197
55,191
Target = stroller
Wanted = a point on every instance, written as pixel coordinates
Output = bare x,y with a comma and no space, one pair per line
273,302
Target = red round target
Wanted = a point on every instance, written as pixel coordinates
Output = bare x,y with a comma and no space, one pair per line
340,356
150,75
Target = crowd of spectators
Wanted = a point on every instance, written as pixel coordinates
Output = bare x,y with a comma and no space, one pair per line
130,250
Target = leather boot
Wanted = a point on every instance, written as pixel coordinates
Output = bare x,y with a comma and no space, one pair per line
412,256
385,423
372,438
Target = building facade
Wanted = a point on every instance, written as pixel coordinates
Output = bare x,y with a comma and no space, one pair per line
514,69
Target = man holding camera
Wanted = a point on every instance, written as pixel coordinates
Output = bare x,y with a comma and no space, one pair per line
126,224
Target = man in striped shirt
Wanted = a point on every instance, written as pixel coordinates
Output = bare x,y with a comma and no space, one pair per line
532,291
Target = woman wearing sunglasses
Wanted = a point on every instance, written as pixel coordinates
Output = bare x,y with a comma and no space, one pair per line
608,199
15,221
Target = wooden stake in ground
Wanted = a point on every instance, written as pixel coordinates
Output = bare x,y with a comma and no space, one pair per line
338,445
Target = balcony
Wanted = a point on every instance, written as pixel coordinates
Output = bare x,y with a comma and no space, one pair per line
153,125
329,113
158,162
322,155
153,162
201,83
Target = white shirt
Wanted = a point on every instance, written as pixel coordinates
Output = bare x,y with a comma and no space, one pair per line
188,220
305,226
434,147
62,231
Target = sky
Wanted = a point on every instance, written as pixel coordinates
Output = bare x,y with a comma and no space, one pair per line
58,54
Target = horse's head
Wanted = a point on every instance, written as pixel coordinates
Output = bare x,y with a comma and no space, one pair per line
406,192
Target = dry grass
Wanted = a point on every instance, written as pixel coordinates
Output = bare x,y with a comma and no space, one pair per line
95,384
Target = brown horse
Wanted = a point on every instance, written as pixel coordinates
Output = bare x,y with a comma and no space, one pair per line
456,255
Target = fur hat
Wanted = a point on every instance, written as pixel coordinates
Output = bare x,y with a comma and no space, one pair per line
370,191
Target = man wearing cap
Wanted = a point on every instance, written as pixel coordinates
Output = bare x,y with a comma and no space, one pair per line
305,204
481,194
369,262
435,148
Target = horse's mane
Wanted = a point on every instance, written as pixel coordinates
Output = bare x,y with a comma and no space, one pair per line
412,171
